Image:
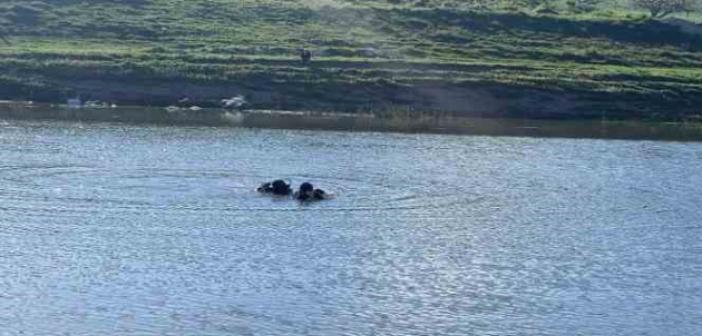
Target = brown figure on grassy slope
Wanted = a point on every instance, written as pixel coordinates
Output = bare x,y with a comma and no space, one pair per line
305,56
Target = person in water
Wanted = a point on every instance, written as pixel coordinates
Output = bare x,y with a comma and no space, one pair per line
277,187
307,192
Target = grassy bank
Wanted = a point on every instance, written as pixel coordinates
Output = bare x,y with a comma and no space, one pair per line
369,56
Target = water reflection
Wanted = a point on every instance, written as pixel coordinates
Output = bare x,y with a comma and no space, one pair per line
383,122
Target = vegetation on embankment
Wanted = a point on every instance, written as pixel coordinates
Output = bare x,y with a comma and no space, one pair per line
369,55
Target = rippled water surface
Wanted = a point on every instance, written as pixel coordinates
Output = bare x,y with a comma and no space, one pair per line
110,229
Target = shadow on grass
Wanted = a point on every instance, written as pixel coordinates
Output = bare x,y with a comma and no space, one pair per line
646,32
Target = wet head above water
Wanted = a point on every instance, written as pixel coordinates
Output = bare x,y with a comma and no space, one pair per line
306,193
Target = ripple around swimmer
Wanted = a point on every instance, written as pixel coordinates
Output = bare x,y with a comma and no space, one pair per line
61,190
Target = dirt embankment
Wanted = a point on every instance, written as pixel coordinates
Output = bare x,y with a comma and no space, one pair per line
464,100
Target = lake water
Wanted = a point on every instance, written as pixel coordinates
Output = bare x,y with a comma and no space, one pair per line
135,230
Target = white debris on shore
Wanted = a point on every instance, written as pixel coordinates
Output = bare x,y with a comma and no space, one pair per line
236,102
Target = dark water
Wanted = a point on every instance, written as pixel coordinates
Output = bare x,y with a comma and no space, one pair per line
126,230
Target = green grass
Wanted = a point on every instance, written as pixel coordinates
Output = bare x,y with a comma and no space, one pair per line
59,48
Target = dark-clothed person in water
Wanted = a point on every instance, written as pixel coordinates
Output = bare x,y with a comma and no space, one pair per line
277,187
305,56
307,192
